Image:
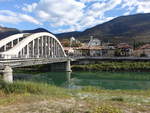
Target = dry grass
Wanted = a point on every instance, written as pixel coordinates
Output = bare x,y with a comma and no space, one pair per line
59,100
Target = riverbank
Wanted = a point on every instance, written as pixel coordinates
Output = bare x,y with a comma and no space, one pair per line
102,92
30,97
114,66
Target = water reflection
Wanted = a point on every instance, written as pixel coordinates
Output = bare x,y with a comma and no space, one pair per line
70,81
68,75
79,79
67,83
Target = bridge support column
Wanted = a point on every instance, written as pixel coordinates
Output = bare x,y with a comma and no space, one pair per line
8,74
61,66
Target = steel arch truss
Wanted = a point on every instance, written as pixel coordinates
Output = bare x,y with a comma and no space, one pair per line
37,45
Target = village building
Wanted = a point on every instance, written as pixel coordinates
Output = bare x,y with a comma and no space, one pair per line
124,49
143,51
89,51
94,42
93,48
108,50
68,50
83,51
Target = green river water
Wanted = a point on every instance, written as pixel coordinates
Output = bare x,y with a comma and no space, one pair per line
106,80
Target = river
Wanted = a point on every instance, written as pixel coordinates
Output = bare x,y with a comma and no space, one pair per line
104,80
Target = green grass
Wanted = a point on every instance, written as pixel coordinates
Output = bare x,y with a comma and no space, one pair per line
37,94
24,87
92,89
93,99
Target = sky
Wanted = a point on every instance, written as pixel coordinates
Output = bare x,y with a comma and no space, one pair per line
59,16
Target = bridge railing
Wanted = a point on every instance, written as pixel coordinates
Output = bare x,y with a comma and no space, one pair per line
7,57
4,56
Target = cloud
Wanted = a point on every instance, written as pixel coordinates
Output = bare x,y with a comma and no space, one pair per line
89,1
83,25
126,13
141,6
99,9
29,8
70,15
95,13
60,12
75,14
86,1
81,14
24,17
7,16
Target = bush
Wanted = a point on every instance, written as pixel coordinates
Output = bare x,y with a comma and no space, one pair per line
114,66
117,99
23,87
91,89
106,109
143,55
32,88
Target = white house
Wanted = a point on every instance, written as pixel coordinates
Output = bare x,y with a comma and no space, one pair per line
94,42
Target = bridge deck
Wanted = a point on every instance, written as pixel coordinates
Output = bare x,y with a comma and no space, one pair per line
36,61
28,62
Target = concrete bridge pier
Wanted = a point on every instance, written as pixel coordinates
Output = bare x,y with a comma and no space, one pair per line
61,66
8,74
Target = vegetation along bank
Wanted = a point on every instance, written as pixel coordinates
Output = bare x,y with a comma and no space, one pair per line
114,66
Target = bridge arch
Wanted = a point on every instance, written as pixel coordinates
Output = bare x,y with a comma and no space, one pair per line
37,45
10,41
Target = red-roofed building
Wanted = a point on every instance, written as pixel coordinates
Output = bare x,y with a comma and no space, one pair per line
124,49
84,51
90,50
143,51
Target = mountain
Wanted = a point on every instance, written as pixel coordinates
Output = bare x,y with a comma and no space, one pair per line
5,32
35,30
130,29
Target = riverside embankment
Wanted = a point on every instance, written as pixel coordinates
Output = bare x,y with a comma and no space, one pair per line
132,66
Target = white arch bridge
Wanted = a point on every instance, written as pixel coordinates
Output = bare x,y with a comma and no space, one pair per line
26,49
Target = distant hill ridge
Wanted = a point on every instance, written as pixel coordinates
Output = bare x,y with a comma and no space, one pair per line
5,32
130,29
121,29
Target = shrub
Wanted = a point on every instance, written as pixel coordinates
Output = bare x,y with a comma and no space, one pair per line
114,66
117,99
106,109
32,88
23,87
143,55
91,89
